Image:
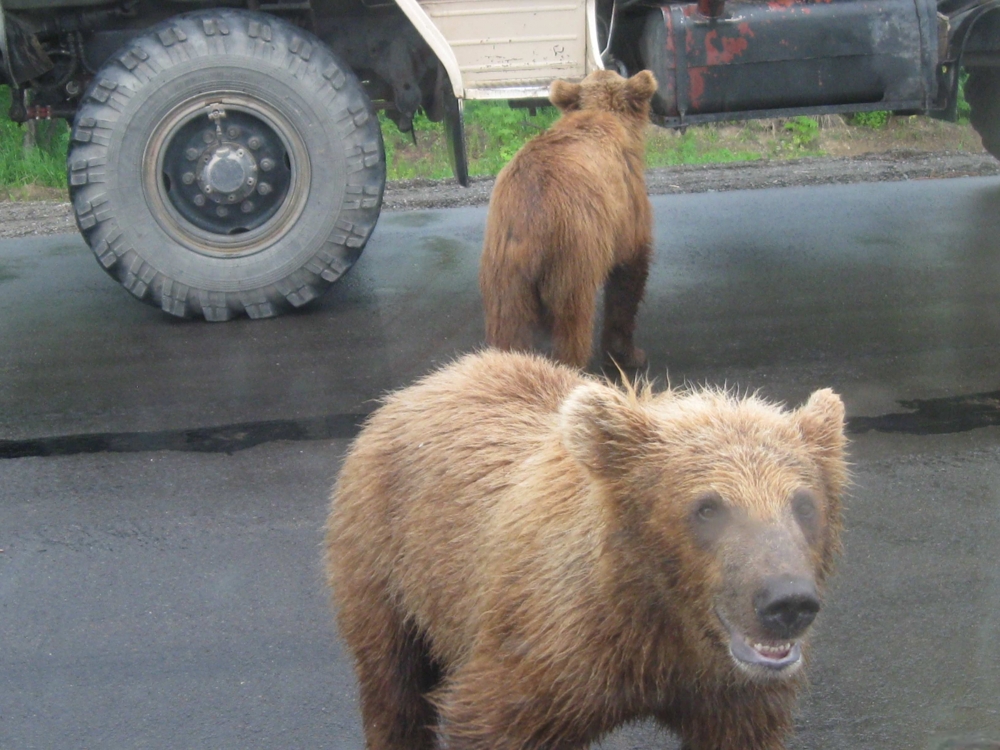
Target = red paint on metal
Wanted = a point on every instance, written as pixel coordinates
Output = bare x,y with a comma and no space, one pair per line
745,30
779,4
712,8
731,48
670,32
697,88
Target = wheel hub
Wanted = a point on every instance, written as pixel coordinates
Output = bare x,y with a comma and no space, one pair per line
226,171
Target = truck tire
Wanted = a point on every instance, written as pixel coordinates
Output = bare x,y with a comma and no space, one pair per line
982,92
225,162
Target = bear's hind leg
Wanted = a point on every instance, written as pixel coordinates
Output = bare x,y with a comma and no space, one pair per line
622,294
512,313
573,326
396,672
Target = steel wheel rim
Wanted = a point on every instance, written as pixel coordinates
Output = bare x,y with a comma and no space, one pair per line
182,222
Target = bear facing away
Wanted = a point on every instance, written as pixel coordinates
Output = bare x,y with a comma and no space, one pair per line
568,214
523,557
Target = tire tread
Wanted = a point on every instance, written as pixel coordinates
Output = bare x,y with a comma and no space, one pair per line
202,34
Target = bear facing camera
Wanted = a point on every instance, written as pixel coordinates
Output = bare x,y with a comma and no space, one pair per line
568,215
524,558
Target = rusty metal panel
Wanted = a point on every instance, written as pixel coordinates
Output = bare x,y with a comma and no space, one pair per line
790,55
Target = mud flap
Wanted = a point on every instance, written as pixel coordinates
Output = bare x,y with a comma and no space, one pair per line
454,128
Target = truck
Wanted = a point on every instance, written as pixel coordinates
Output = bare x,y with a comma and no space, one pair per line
226,156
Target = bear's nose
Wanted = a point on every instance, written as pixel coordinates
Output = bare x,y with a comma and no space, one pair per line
786,605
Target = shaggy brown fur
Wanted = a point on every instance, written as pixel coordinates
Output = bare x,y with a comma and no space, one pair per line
567,214
522,559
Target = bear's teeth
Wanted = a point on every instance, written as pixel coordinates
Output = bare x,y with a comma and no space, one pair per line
782,649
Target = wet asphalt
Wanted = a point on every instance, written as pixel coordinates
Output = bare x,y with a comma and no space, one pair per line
163,483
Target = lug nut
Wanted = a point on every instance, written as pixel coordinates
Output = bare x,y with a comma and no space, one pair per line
255,143
263,188
246,207
208,136
199,200
267,164
192,154
233,132
187,178
222,211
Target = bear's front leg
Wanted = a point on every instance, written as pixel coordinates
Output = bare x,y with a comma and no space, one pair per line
622,294
733,720
395,673
486,705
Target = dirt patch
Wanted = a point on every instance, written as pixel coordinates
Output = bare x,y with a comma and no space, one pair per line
22,193
25,219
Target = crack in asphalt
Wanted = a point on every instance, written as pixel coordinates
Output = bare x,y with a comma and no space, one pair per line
221,439
924,417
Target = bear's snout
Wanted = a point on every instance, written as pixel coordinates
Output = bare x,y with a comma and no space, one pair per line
786,605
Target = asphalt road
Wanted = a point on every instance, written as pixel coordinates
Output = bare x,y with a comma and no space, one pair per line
163,483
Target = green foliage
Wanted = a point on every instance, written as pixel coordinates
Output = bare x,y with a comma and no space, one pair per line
964,110
804,131
497,131
405,159
494,132
693,147
874,120
44,165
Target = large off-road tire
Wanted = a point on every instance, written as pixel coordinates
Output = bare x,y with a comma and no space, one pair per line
226,161
982,92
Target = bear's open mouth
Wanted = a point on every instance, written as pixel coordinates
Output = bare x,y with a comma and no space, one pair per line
775,656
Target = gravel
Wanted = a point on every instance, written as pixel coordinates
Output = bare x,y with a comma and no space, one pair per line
55,217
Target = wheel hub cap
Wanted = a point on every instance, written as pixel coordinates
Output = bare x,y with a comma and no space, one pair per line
228,174
226,171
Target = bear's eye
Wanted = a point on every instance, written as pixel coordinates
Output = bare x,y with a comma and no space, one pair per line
806,511
709,508
707,511
708,519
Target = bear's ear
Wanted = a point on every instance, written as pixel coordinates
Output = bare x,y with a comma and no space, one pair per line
640,88
565,95
604,429
821,421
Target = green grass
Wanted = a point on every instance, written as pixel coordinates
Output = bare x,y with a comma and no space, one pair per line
44,165
696,146
874,120
495,132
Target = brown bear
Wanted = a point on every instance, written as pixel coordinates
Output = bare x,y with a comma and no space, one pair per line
568,214
523,557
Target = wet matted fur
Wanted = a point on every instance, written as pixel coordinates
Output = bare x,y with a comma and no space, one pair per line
568,214
523,558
